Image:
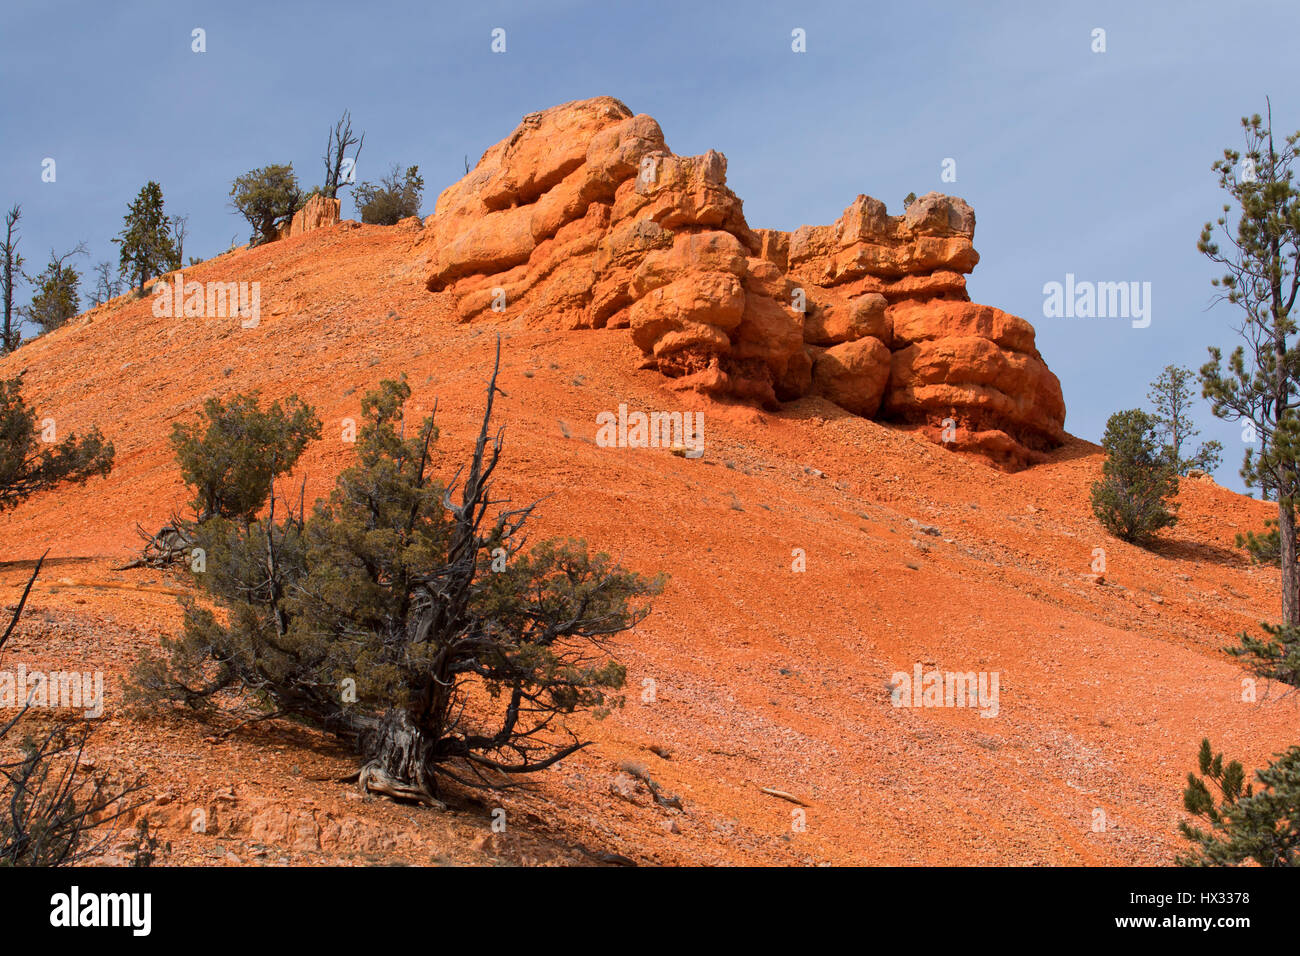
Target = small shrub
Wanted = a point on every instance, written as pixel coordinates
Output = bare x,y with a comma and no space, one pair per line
29,465
392,200
1132,498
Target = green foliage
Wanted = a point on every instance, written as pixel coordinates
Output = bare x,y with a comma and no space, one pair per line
231,456
1132,498
1265,547
28,464
1244,824
1275,656
56,298
1172,398
266,197
1260,382
908,200
146,238
395,198
411,627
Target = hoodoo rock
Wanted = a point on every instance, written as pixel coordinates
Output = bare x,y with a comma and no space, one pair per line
583,218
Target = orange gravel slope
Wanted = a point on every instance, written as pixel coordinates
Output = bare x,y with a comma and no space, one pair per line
748,675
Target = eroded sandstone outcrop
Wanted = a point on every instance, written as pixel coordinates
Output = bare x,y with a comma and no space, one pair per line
316,213
584,218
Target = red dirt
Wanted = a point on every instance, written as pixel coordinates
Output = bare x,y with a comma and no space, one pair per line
762,677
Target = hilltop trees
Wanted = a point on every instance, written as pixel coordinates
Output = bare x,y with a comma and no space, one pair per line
31,460
266,197
108,284
56,298
336,146
146,237
180,229
1172,398
409,624
1261,277
11,266
395,198
1132,498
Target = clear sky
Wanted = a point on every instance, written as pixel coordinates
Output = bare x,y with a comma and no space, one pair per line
1093,164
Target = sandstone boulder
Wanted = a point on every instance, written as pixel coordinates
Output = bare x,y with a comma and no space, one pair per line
853,375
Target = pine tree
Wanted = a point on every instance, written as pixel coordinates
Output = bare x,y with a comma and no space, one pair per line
1172,399
1262,826
146,237
1261,278
234,452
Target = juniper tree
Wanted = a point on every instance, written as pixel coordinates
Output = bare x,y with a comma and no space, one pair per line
1172,399
1261,277
403,618
266,197
146,238
236,449
393,199
1132,498
30,463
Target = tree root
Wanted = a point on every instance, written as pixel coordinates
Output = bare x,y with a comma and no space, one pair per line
375,779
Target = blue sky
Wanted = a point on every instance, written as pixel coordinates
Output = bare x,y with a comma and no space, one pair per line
1096,164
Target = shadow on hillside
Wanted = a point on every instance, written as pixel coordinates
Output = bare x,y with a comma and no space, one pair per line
27,564
228,729
813,406
1073,450
1184,549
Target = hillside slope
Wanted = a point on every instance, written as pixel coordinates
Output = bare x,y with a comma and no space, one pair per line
762,677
